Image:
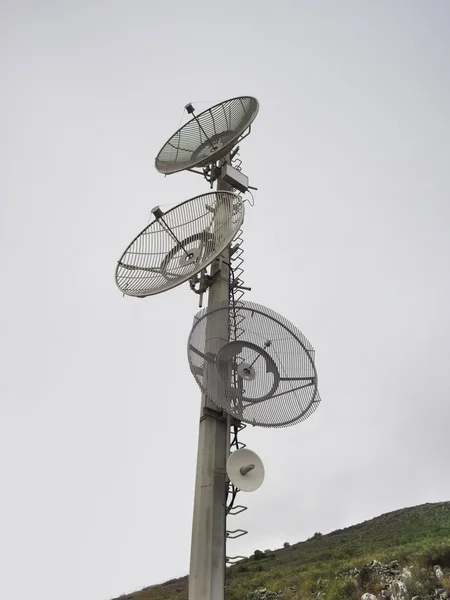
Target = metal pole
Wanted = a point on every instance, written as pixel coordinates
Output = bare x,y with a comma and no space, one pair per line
208,555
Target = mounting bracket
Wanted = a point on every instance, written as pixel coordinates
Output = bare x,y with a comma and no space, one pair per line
238,532
233,559
235,510
214,414
204,281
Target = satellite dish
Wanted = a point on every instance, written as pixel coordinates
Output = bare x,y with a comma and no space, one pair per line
178,244
208,136
254,364
245,470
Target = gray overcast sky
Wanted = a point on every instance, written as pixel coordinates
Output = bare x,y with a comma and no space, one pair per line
348,239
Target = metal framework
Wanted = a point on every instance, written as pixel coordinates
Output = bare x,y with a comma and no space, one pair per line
251,364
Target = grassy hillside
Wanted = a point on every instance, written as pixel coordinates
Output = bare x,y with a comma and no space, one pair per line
335,566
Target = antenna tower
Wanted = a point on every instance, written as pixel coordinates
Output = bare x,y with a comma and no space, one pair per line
251,364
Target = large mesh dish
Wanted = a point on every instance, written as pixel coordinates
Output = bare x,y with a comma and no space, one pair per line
207,137
254,364
175,247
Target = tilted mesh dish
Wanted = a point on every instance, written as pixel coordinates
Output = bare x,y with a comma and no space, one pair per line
207,137
254,364
175,247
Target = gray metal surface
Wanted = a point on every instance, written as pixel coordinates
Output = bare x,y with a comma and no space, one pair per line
235,178
207,137
276,387
208,544
173,249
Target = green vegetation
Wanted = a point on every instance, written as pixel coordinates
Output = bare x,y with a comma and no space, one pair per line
418,536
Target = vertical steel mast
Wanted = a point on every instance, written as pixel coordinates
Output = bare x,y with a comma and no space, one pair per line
208,545
177,247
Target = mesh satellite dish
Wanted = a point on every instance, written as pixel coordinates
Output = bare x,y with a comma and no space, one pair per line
254,364
178,244
208,137
245,470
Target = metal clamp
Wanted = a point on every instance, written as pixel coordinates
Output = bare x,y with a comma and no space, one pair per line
204,281
210,412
